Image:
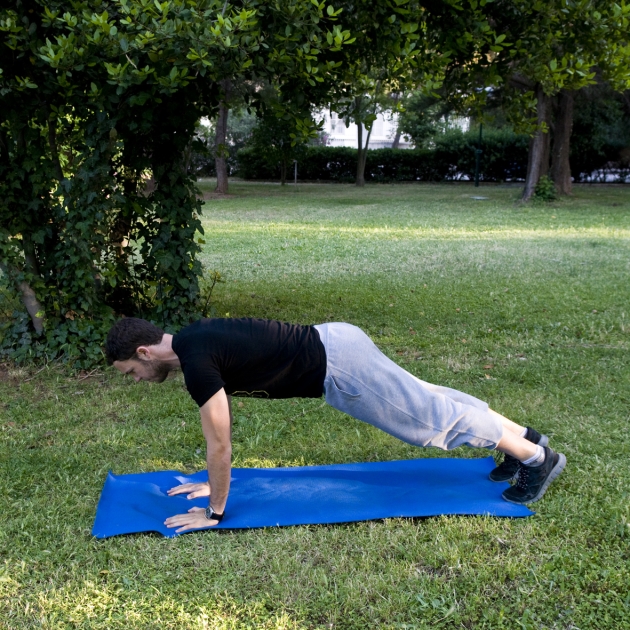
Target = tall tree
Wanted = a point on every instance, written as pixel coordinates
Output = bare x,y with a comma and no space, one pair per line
560,166
555,49
404,44
362,109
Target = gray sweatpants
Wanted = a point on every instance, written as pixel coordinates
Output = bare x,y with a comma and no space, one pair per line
362,382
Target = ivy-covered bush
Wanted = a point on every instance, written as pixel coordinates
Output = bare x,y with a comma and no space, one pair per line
99,100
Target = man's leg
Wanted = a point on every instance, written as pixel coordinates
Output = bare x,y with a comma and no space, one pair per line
364,383
508,468
508,425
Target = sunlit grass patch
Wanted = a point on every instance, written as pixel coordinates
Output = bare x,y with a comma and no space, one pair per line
523,306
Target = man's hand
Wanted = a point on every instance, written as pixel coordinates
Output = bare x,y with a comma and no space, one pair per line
196,490
195,519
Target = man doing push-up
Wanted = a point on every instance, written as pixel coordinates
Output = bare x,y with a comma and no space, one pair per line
260,358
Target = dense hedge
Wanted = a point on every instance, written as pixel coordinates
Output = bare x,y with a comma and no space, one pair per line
504,158
605,162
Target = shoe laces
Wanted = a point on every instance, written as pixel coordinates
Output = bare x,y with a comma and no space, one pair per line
523,474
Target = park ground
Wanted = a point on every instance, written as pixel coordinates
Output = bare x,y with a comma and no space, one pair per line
525,306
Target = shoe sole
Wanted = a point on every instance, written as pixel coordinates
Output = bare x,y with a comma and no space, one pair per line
544,441
503,480
555,472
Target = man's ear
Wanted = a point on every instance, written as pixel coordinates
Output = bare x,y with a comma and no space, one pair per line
143,353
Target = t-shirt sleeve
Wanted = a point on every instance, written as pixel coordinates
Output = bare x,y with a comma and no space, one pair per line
203,379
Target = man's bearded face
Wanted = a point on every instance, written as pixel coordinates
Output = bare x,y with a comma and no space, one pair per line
156,371
153,370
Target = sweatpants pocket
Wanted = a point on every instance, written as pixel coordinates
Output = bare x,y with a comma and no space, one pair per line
343,387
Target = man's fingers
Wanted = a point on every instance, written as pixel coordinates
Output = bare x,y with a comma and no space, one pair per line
185,487
178,519
196,525
195,519
174,521
194,489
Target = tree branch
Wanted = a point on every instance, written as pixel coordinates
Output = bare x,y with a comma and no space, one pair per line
54,151
4,147
30,256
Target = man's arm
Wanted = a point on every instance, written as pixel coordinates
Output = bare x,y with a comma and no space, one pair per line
216,426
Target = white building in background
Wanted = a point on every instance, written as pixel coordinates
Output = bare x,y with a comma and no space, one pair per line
382,137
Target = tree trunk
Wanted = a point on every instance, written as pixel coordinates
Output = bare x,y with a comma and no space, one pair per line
4,147
30,301
538,146
33,307
360,181
560,166
362,154
396,141
186,159
396,97
546,150
220,141
283,172
30,256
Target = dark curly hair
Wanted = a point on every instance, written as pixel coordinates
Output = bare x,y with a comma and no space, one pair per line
127,335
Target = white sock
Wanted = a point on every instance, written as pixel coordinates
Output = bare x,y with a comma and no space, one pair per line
523,433
537,459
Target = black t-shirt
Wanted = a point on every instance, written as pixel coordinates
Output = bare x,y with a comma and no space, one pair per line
251,357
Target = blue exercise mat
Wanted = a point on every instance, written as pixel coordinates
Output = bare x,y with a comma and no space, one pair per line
341,493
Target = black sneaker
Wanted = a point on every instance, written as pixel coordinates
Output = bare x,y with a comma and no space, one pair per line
533,481
507,469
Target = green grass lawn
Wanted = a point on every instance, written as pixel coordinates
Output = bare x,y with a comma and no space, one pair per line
526,307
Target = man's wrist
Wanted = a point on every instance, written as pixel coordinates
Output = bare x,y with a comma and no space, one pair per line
211,515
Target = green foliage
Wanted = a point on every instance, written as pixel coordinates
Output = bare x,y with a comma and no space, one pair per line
600,140
339,164
239,130
545,190
452,157
273,140
543,47
396,52
423,116
504,158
